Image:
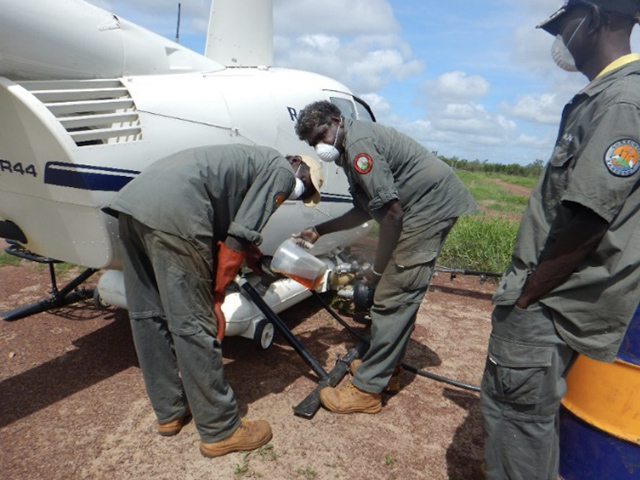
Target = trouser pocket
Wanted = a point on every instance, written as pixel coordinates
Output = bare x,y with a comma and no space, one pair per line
515,372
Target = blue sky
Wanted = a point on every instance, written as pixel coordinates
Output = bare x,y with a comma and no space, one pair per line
466,78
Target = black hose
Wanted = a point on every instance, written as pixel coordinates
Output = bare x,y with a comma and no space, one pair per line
461,271
339,319
284,330
439,378
406,366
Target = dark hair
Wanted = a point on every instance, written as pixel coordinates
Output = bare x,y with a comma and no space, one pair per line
314,115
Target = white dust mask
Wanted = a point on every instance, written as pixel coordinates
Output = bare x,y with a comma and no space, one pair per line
298,190
329,153
562,56
560,51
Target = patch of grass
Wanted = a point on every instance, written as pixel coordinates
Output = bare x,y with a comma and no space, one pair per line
388,460
268,452
64,267
6,259
308,473
242,469
528,182
482,188
479,243
465,176
501,207
485,243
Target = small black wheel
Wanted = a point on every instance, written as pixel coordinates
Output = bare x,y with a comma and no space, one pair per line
263,336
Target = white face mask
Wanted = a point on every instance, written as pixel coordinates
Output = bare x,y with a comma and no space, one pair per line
560,51
562,56
298,190
329,153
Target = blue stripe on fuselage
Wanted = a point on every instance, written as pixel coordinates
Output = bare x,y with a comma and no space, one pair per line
87,177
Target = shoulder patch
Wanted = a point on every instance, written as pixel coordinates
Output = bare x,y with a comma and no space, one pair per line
363,163
278,199
621,158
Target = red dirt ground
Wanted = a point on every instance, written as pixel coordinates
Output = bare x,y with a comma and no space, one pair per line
515,189
73,405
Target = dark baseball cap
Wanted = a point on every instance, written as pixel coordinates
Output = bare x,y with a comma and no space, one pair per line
624,8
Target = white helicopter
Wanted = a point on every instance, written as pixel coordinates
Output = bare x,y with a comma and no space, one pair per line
88,100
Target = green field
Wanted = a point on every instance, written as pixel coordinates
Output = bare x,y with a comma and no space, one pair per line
484,241
486,192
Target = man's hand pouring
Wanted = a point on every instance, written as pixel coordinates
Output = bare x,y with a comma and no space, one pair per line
307,237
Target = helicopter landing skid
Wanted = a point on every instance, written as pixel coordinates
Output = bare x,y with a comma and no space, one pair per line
67,295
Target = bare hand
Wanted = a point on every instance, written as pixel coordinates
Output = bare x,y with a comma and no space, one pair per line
308,235
522,303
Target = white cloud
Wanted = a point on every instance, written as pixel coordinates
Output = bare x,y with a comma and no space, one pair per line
364,64
378,103
472,119
531,48
355,42
536,107
456,86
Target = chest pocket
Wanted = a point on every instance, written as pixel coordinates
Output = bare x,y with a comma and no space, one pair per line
562,155
560,165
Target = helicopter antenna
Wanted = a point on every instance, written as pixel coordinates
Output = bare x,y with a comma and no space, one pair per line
178,25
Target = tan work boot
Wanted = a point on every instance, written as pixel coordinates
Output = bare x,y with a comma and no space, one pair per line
350,400
248,436
394,382
173,427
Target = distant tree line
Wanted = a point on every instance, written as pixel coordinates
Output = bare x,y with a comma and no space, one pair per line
533,169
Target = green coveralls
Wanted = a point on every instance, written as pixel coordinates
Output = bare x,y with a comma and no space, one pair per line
171,218
383,165
594,164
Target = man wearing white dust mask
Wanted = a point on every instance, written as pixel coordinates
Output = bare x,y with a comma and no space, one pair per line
187,223
416,198
574,282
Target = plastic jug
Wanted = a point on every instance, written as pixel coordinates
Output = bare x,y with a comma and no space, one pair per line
295,262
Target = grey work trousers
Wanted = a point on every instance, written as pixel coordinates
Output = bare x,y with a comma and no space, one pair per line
522,386
396,301
169,295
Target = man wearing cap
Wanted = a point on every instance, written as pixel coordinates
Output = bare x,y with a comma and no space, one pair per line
574,281
186,223
416,199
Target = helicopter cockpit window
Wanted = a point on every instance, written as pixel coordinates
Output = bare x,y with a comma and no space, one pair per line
357,110
364,111
345,106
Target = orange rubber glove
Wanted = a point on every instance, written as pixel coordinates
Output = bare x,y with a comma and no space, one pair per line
229,261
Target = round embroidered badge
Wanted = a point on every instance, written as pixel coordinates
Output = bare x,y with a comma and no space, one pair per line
278,199
621,158
363,163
